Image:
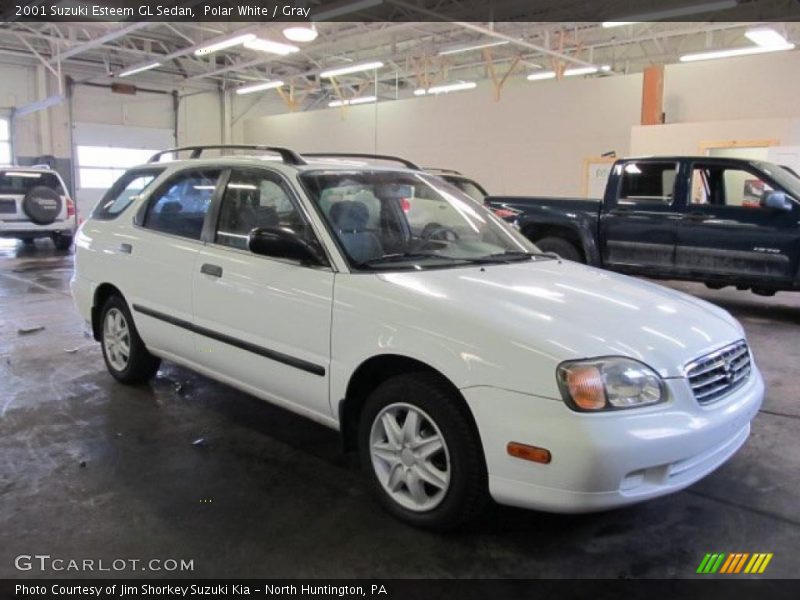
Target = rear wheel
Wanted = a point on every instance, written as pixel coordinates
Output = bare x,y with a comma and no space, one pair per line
126,356
564,248
62,241
422,453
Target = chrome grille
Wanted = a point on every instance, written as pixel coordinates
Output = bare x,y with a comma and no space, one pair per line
720,372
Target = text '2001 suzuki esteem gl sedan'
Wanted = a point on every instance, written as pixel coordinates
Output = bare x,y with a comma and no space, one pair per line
458,360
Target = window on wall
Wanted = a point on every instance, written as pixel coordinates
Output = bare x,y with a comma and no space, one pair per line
5,143
100,166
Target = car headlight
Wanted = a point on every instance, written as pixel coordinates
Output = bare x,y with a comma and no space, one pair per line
609,383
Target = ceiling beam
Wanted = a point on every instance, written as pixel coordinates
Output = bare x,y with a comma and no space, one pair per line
99,41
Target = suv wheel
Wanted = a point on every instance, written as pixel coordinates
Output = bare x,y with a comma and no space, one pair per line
126,356
421,452
61,241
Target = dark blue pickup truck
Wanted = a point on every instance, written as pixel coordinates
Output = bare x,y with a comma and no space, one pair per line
722,221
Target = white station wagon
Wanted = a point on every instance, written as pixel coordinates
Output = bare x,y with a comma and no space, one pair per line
457,359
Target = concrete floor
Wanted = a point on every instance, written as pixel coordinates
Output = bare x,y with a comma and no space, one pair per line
93,469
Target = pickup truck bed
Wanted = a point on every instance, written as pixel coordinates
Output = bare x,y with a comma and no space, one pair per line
717,220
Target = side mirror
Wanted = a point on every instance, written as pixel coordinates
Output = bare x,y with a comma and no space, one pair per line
280,242
776,201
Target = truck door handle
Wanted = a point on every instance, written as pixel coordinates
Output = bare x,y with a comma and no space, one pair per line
697,216
213,270
125,248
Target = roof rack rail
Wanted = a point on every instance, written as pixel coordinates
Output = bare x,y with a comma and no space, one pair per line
435,170
288,156
406,163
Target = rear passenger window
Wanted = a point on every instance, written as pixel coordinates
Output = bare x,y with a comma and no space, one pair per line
647,183
124,191
180,207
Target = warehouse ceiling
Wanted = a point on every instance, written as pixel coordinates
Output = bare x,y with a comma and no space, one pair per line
415,54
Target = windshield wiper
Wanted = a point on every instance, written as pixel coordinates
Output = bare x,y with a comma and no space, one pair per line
510,256
402,256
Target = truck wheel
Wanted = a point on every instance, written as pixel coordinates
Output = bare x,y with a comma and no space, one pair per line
126,356
421,452
565,249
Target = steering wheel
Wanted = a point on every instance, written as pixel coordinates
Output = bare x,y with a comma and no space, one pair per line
436,232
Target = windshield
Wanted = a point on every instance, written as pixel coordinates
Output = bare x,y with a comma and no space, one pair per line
21,182
783,177
410,220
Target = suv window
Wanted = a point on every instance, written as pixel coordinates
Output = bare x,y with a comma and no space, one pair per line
124,191
647,183
180,206
256,199
21,182
722,186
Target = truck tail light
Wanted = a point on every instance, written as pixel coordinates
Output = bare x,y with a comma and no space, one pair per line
405,204
70,208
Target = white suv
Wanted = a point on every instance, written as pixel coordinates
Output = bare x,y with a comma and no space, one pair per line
34,203
458,360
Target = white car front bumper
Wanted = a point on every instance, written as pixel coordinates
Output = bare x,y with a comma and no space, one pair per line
602,461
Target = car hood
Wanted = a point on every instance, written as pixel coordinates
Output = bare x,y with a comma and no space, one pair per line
564,310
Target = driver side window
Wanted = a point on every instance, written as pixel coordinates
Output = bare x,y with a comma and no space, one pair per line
720,186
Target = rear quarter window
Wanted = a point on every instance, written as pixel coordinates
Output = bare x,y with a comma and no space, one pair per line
124,191
21,182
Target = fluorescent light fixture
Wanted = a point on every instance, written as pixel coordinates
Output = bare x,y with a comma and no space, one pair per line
459,49
734,52
766,37
301,33
369,66
541,75
227,42
670,13
446,88
258,87
271,47
139,69
344,9
580,71
361,100
22,174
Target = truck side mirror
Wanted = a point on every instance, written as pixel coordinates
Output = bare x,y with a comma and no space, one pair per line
776,201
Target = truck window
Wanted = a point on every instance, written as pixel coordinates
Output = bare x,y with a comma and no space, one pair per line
647,183
720,186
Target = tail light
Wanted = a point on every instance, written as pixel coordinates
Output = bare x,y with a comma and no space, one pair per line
70,208
405,204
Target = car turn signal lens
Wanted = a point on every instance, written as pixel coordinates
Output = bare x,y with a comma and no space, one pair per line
532,453
585,385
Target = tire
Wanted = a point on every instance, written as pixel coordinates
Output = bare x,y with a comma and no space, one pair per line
28,241
456,465
61,241
42,205
118,335
564,248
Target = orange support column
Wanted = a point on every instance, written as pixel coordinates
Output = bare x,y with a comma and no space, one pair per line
653,95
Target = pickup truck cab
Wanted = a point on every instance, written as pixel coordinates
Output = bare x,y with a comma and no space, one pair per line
456,359
722,221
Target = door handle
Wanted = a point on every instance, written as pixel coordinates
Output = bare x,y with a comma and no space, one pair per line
125,248
697,216
213,270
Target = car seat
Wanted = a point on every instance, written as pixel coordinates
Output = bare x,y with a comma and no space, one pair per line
350,219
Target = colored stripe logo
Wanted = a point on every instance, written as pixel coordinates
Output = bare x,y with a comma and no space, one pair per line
735,562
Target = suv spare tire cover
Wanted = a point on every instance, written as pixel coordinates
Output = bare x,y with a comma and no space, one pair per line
42,205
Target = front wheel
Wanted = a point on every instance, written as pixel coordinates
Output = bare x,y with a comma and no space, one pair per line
124,352
62,241
564,248
422,453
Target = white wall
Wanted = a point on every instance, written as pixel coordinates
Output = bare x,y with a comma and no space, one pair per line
535,139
